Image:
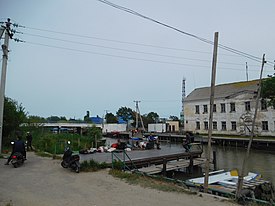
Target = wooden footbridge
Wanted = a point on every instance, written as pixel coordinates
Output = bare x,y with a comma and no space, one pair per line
172,165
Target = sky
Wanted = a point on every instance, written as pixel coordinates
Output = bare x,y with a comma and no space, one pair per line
84,55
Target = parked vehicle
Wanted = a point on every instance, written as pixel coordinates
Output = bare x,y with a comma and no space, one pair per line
70,161
17,159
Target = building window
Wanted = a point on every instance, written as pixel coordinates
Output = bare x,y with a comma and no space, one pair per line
206,125
222,108
247,106
205,109
263,104
197,109
214,108
265,125
198,125
232,107
234,126
224,126
215,126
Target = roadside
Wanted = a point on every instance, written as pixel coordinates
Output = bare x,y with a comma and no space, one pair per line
42,182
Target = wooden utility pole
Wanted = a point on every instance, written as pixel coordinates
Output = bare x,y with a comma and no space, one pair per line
213,79
243,169
138,114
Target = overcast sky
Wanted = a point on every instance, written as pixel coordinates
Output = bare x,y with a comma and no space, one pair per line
83,55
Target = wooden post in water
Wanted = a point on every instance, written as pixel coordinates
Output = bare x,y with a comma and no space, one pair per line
191,164
243,169
215,160
164,167
213,79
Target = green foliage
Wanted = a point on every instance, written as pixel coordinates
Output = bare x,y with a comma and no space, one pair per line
94,133
125,113
149,182
35,119
152,117
117,165
56,119
56,143
111,118
92,166
174,118
14,115
268,90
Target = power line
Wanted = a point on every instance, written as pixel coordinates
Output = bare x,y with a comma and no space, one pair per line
236,52
124,57
133,51
249,56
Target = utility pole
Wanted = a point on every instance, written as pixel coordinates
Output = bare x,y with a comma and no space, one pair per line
138,114
5,46
246,69
213,79
243,169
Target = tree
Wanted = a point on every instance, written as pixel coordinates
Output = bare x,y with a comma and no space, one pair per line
111,118
268,90
35,119
174,118
152,117
14,115
125,113
53,119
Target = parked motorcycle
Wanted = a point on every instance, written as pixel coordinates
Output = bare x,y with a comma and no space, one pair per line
70,161
17,159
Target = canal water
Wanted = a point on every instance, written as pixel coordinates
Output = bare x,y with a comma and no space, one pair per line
260,161
228,158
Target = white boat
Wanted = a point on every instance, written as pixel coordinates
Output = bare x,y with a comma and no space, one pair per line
225,178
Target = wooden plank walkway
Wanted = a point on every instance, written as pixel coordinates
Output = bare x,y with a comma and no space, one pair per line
172,165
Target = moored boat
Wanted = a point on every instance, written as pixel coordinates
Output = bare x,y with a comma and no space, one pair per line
224,183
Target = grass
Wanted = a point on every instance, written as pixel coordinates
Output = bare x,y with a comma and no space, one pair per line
92,166
149,182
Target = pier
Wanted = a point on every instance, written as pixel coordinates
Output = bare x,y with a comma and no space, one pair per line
153,161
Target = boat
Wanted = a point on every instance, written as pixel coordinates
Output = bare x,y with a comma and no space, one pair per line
224,183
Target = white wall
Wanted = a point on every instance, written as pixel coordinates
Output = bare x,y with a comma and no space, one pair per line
158,127
114,127
263,115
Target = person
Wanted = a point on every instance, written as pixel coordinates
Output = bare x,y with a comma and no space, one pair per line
18,146
186,143
29,141
154,140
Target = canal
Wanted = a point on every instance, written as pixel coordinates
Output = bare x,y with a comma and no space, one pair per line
260,161
228,158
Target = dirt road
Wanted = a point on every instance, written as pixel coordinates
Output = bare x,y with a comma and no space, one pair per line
43,182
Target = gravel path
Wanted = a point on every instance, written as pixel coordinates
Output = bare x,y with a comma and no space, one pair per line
43,182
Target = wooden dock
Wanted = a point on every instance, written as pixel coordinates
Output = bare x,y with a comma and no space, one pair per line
172,165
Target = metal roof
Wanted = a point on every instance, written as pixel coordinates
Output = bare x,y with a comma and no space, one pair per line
223,90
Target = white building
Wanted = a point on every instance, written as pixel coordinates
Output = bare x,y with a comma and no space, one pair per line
234,108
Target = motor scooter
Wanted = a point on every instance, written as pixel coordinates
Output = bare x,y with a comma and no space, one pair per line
69,160
17,158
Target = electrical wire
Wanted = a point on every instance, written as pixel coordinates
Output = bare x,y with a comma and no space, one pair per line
235,51
132,51
124,57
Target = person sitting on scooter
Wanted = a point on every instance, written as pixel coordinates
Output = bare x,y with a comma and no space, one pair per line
186,143
18,146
